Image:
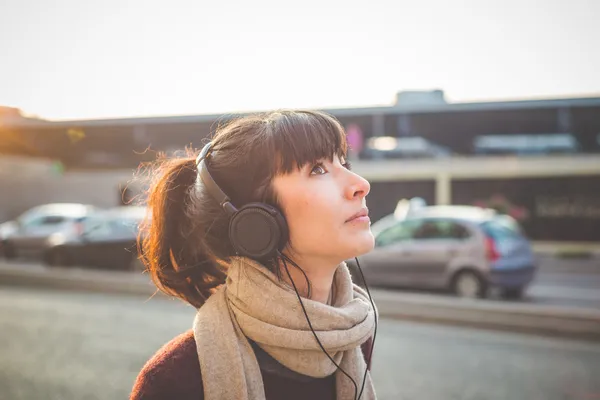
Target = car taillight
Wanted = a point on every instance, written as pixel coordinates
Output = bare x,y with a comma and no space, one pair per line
491,251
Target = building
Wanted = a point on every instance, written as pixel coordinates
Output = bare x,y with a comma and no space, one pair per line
537,159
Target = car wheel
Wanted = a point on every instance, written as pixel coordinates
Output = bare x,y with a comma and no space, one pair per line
512,293
469,284
58,258
9,250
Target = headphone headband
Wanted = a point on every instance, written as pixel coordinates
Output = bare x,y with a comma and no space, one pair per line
209,182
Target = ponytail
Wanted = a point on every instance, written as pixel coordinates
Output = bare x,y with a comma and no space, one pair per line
173,242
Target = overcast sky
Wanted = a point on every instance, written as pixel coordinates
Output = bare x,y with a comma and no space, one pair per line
74,59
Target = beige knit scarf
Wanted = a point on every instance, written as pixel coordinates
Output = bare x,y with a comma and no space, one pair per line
255,304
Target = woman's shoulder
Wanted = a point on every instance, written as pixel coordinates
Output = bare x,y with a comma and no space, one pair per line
173,372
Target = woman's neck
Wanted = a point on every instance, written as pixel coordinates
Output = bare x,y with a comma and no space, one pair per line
319,274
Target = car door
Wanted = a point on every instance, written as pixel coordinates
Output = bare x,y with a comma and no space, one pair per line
389,263
122,249
110,243
97,233
31,237
435,243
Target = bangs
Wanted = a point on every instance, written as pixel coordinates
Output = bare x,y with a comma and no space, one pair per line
297,138
262,146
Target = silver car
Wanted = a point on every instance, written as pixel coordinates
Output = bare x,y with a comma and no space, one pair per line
462,248
33,228
108,240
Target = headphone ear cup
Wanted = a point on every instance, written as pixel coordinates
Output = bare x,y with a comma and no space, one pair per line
258,231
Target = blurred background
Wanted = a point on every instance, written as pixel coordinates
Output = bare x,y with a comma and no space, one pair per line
477,124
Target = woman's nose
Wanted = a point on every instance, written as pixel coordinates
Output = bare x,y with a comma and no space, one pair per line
358,187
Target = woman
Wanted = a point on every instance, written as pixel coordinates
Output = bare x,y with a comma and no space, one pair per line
254,234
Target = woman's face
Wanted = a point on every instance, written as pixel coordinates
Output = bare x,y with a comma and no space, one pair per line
325,208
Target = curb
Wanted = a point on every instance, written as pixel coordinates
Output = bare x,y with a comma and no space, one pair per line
110,282
574,250
575,323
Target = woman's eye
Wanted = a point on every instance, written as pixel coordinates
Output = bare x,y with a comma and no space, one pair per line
347,165
318,170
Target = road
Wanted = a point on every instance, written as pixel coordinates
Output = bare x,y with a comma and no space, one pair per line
566,282
560,282
72,345
578,289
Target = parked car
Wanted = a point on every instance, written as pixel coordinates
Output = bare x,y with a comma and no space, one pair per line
108,240
389,147
6,229
462,248
27,236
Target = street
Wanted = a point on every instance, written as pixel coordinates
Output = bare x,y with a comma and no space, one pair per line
563,282
574,283
568,289
559,282
73,345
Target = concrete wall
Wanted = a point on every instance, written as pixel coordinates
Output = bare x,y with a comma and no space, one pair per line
26,183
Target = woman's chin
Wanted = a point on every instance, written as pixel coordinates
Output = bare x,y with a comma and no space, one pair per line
364,244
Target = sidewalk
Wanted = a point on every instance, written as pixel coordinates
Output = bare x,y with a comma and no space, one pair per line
562,249
566,322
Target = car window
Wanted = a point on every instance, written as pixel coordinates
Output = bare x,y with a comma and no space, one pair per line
501,229
125,226
457,231
44,220
507,223
94,227
399,232
103,226
428,230
53,220
441,229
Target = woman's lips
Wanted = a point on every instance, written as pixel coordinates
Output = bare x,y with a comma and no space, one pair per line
360,216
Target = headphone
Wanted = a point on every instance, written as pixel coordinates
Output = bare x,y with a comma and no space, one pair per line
256,230
259,231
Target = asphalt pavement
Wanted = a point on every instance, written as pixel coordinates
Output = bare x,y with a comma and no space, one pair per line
72,345
563,288
566,282
558,282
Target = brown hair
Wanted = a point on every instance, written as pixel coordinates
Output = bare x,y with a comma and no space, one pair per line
185,242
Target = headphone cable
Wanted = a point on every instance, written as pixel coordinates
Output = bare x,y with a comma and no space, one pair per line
374,332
